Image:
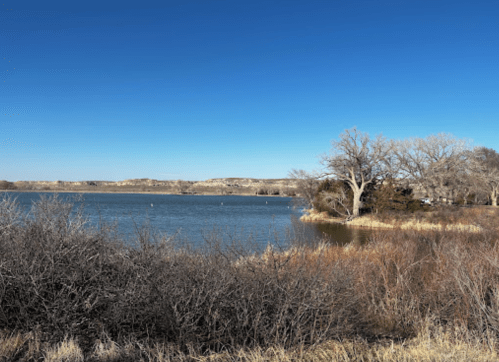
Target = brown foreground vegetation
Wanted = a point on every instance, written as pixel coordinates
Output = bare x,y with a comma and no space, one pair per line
69,292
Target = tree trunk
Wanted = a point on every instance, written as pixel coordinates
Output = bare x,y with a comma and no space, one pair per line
493,198
356,202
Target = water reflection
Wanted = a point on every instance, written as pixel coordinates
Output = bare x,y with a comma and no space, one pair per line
342,234
339,234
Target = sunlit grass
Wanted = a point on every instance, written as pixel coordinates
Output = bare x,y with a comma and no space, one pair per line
431,344
66,351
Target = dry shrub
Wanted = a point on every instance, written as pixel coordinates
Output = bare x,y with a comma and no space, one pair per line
401,278
452,276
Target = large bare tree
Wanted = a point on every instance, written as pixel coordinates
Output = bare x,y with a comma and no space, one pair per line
359,161
486,168
433,163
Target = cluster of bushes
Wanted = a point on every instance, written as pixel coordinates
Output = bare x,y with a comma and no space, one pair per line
60,277
6,185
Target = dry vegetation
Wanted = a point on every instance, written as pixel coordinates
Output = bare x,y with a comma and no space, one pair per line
454,218
72,293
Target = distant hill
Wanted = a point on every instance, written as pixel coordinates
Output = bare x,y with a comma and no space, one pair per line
216,186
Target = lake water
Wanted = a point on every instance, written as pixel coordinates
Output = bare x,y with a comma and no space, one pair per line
196,219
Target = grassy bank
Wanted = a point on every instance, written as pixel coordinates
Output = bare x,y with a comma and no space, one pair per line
69,290
450,218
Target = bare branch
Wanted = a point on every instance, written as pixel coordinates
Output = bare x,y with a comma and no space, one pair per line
359,160
306,186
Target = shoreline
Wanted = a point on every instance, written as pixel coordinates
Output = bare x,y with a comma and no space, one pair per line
368,222
135,192
236,186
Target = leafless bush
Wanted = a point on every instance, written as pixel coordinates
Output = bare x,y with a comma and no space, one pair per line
449,276
10,214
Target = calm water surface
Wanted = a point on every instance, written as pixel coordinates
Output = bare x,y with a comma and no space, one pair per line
194,218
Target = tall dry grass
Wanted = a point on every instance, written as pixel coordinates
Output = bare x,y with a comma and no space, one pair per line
431,346
67,289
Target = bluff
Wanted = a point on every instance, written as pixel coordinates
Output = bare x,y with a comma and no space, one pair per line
216,186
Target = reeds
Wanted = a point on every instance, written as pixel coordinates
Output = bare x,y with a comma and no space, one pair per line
67,289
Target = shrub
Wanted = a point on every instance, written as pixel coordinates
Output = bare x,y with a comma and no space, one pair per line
6,185
334,197
390,197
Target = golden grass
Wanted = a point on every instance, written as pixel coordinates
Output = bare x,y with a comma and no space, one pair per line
439,348
65,351
315,216
430,345
10,345
107,351
369,221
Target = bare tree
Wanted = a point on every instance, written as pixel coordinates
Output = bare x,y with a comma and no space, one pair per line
359,161
433,163
486,168
467,183
306,186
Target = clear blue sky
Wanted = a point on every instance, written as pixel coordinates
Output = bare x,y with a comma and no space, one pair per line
194,90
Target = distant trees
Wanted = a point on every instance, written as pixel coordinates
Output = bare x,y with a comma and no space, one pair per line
306,186
436,164
6,185
358,160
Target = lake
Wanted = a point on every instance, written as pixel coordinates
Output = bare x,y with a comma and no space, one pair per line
195,219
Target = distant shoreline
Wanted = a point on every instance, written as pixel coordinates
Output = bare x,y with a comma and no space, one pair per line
221,186
135,192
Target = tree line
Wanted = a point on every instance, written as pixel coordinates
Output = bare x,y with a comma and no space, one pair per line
362,172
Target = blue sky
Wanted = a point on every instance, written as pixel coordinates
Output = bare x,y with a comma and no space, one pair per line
203,89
